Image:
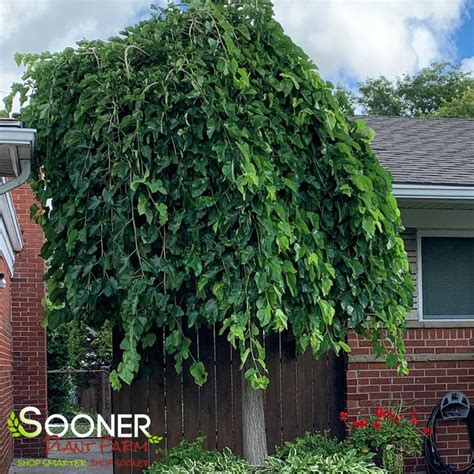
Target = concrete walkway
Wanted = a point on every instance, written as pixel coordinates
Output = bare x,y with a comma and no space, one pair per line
90,460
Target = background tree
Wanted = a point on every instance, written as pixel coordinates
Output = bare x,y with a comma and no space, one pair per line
379,97
74,346
459,107
417,95
345,99
202,173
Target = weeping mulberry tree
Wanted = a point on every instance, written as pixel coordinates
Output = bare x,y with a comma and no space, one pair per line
196,170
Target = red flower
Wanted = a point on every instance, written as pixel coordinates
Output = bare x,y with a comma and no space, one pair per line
390,415
343,416
359,424
376,425
397,419
380,412
413,412
414,420
427,431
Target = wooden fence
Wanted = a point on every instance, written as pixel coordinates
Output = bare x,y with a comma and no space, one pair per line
304,394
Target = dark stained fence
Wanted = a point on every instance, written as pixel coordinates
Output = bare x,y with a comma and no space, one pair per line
304,394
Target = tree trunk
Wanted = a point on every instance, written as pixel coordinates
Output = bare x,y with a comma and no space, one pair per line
254,435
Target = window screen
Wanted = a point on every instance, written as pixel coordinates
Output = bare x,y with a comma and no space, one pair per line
448,277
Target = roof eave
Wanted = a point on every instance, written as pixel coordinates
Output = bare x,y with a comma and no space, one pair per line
429,191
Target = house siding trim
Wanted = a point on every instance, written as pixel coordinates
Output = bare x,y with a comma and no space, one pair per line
426,191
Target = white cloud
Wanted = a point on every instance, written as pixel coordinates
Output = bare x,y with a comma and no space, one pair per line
357,38
39,25
467,65
348,39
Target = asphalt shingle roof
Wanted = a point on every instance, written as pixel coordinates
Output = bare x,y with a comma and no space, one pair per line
425,150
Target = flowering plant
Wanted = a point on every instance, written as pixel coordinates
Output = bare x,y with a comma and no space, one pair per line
386,432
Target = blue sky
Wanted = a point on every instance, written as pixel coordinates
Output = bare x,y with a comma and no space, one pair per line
349,40
464,37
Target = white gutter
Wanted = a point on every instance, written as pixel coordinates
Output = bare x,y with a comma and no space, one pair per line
428,191
19,144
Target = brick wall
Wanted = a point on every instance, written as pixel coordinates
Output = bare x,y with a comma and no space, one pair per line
6,401
29,338
440,360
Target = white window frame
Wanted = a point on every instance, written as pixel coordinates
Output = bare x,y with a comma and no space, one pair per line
419,277
11,240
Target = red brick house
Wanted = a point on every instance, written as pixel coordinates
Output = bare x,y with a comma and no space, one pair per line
22,339
432,163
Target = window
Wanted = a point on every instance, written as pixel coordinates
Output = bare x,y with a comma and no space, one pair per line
447,274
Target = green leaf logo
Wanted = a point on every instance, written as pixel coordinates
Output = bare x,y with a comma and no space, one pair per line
154,439
13,424
16,429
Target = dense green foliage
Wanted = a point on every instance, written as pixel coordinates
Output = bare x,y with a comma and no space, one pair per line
201,172
315,453
459,107
422,94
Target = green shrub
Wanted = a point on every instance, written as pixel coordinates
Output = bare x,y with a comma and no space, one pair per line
313,452
348,462
223,462
316,443
192,457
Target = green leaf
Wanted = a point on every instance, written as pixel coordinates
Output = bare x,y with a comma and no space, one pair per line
280,321
283,243
327,311
156,186
163,212
326,285
198,371
265,315
362,183
345,347
148,340
330,120
143,208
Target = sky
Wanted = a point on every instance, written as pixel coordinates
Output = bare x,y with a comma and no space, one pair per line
349,40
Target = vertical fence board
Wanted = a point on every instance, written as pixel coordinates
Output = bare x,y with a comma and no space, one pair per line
224,394
139,405
305,393
122,460
236,378
190,394
121,405
174,403
207,412
336,391
156,394
273,419
320,378
288,387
